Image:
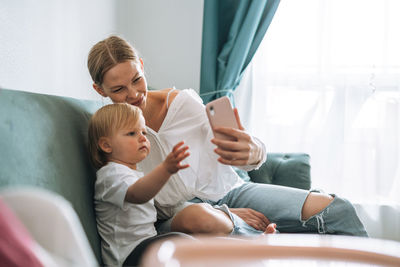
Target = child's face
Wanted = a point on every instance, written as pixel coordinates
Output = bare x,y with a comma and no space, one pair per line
130,145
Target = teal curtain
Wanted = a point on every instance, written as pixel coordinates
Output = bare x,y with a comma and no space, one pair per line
232,32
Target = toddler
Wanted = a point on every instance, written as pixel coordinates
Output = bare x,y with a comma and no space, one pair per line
123,198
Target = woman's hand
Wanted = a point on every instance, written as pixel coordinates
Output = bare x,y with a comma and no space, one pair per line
255,219
173,161
243,151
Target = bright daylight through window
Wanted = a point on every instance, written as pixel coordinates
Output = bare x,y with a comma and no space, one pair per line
326,81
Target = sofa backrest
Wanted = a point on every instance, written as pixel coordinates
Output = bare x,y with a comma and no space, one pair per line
43,144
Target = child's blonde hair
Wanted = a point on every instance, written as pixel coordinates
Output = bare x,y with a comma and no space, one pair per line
104,123
106,54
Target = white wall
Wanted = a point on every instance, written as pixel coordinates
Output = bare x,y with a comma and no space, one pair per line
168,36
44,43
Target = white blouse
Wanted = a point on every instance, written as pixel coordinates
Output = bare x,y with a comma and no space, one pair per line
206,178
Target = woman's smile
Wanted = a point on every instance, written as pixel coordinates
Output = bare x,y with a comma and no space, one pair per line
138,102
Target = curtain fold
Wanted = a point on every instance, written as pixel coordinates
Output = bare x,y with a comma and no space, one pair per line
232,32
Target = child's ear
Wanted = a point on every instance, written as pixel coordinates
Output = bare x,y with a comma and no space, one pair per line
104,144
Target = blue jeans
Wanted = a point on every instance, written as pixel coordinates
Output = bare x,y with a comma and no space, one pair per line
283,206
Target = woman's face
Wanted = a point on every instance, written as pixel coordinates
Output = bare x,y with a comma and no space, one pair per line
125,83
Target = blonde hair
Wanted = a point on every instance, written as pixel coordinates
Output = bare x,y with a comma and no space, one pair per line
106,54
104,123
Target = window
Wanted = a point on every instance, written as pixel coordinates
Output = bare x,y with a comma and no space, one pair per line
326,81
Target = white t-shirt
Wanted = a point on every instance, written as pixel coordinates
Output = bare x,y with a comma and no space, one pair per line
206,178
121,225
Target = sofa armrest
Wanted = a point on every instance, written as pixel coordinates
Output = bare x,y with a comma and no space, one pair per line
287,169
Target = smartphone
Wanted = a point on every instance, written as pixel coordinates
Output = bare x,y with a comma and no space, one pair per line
220,114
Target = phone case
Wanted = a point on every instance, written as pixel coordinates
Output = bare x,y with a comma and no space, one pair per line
220,114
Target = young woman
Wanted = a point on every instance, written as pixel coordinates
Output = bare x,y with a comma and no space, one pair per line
172,115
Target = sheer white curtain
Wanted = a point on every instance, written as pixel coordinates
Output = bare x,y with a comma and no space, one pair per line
326,81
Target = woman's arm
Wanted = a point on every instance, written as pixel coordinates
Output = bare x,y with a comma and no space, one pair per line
248,153
149,185
245,150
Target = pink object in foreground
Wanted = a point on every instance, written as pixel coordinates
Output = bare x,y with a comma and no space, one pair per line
15,243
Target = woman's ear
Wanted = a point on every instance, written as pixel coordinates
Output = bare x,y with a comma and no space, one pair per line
104,144
99,90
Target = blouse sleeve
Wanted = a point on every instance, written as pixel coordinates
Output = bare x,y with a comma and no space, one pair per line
262,156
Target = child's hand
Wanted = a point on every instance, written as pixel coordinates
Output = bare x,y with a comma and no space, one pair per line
173,161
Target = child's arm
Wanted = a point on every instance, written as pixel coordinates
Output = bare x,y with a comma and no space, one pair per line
149,185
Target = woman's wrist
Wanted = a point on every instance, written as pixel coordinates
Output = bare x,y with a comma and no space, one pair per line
257,154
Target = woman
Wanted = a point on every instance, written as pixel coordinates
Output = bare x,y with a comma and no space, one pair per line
225,204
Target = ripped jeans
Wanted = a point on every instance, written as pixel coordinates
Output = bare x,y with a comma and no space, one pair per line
283,206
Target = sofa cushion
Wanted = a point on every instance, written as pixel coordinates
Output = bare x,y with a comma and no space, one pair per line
291,169
42,144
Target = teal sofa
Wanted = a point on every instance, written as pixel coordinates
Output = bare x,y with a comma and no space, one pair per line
43,144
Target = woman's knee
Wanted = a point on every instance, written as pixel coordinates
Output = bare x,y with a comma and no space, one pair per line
315,203
202,218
